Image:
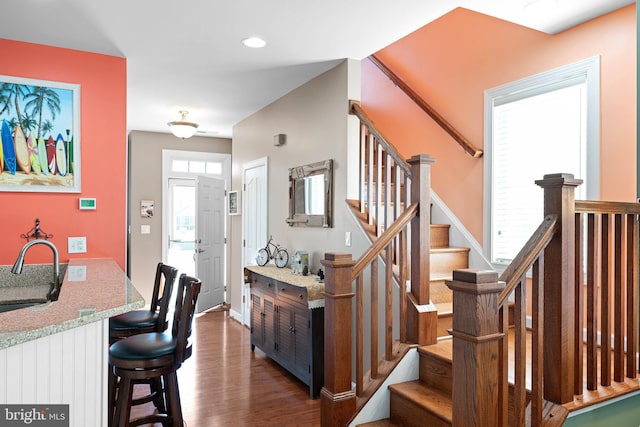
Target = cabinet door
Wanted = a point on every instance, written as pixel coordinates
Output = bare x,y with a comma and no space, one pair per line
285,335
301,357
269,321
257,322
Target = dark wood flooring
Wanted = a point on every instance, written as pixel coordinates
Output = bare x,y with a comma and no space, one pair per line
225,384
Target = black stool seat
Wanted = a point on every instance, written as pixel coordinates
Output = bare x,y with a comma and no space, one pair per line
138,319
144,347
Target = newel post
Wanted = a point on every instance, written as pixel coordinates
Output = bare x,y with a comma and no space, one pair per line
559,289
337,398
422,317
476,343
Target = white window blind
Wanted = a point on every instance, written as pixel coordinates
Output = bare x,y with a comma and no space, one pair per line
534,134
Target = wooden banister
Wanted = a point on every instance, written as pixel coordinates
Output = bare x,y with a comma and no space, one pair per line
527,256
374,250
356,110
437,117
597,206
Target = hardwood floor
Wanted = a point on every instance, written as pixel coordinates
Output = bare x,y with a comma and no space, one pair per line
225,384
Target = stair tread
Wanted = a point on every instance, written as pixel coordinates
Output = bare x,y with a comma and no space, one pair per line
444,308
435,401
449,249
443,349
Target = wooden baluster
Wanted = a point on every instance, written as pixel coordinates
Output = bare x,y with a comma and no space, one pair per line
503,363
370,148
520,354
632,293
337,399
537,340
476,342
605,294
422,316
378,197
374,318
397,192
387,192
559,282
402,257
363,166
579,305
388,286
592,301
618,301
359,335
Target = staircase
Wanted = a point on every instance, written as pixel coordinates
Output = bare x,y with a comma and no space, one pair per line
527,343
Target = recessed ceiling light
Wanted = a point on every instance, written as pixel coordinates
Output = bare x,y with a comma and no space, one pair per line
255,42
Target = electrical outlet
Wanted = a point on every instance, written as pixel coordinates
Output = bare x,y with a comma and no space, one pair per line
77,245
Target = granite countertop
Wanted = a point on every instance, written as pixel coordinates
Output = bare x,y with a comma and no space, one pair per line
315,288
92,290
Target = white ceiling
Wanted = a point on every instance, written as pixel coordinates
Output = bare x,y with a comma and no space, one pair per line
188,54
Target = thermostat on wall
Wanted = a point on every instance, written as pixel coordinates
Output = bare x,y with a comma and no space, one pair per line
88,204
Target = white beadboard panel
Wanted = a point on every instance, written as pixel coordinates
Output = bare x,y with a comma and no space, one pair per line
68,368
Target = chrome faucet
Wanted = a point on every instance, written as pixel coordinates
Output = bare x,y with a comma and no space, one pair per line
17,267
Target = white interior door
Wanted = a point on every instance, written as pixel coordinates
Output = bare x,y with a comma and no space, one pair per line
210,243
254,216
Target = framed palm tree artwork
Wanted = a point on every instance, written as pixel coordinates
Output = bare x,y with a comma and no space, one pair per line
39,135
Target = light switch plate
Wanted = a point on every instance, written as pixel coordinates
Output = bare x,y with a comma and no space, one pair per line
77,245
145,229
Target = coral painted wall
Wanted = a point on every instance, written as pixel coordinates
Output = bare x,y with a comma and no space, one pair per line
453,60
102,81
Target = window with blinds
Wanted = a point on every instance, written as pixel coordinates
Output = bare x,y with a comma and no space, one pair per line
537,127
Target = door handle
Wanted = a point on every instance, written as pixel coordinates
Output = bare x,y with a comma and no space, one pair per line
201,250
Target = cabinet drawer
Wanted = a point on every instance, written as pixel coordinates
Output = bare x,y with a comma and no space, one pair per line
292,293
264,285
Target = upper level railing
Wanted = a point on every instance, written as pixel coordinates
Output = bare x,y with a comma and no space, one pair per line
564,312
424,105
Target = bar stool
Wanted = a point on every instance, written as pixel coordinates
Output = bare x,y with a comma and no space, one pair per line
156,355
155,318
142,321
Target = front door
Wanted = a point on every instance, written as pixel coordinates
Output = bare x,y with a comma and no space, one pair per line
182,225
210,242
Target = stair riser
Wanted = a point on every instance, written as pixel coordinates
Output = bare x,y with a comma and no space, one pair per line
443,263
408,414
445,323
439,235
436,373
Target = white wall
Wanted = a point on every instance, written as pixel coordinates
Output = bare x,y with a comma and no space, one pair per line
317,124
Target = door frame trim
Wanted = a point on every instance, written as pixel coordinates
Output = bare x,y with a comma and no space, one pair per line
262,161
167,157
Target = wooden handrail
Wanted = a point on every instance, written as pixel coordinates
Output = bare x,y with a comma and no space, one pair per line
441,121
356,110
597,206
384,239
527,255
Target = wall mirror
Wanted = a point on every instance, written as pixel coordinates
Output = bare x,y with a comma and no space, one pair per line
311,195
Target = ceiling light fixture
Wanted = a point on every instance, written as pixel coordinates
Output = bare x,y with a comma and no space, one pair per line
254,42
182,128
